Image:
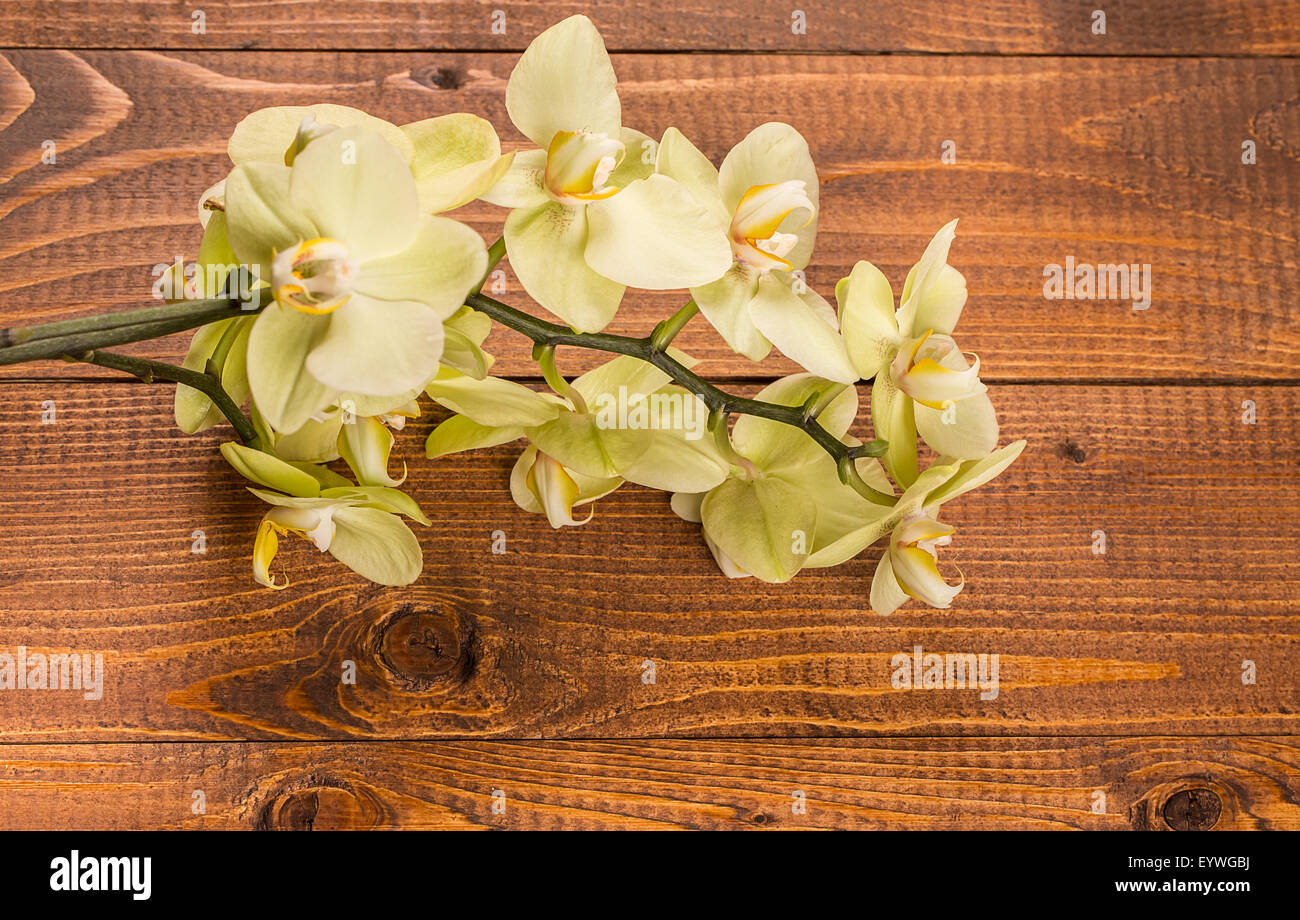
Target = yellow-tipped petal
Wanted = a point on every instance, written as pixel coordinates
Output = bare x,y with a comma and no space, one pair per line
578,164
555,491
918,576
265,547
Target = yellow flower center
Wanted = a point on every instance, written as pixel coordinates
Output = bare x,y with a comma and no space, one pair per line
578,164
316,276
756,237
919,371
914,560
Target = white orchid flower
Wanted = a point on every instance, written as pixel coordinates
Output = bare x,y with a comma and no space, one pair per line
357,525
453,158
765,194
591,217
582,431
923,382
368,539
782,507
909,567
362,281
540,484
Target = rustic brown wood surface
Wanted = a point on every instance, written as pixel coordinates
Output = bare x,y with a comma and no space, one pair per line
1131,160
1260,27
658,784
551,638
529,672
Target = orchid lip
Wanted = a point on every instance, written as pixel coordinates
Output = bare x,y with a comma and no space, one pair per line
316,276
756,238
579,163
920,373
555,490
915,561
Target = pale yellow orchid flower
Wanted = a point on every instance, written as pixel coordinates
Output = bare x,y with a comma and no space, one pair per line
923,382
591,217
766,195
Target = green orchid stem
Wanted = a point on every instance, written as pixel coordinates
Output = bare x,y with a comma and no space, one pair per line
149,371
496,252
51,341
544,355
550,335
720,425
667,330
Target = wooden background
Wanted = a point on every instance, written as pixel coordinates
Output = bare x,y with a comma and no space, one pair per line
522,673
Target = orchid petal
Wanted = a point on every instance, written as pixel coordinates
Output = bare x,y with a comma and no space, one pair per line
758,525
725,304
867,319
970,432
358,189
456,159
460,432
492,401
793,326
377,347
653,235
268,134
934,292
284,391
364,444
268,470
973,473
523,184
564,82
893,419
376,545
681,160
546,248
886,595
444,261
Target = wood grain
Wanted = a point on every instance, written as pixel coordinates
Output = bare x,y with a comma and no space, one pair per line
1258,27
920,783
1108,161
551,639
527,673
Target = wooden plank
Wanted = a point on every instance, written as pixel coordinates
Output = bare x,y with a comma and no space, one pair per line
551,639
997,27
1109,161
922,783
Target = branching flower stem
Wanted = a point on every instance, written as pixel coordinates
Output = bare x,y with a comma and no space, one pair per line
149,371
84,339
653,350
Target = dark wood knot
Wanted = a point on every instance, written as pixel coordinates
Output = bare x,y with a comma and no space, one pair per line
440,77
1193,810
1193,802
419,648
1072,451
314,802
